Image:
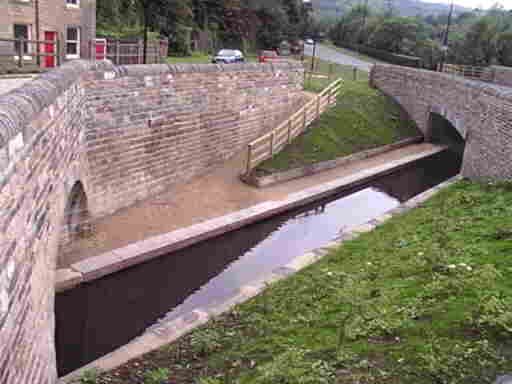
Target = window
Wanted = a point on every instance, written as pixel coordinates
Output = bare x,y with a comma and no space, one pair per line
72,43
73,3
21,31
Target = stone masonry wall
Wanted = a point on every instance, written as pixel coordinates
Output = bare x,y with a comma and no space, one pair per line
41,135
481,112
502,75
123,134
155,126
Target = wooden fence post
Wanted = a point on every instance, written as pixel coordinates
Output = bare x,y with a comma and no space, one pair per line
249,159
329,76
304,121
318,106
20,53
355,73
272,143
289,131
57,52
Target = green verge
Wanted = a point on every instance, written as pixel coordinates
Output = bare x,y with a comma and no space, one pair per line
364,118
425,298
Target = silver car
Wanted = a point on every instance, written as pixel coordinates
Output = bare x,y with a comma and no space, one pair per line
227,56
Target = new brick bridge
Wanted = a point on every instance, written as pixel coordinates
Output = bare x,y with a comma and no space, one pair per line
480,112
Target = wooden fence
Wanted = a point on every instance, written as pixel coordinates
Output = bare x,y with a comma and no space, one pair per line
129,51
22,52
468,71
267,145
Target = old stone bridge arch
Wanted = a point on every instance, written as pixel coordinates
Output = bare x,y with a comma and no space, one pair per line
480,112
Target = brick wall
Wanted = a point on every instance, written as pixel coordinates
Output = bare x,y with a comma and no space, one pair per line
41,137
481,113
54,16
123,134
154,126
502,75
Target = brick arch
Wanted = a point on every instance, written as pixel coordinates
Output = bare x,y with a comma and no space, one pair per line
76,221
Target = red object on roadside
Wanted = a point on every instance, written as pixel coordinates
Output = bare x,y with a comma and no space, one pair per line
268,55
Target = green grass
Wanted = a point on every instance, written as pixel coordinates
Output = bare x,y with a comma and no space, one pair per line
364,118
425,298
195,58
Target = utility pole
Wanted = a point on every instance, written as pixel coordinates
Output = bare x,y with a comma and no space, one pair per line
365,15
445,40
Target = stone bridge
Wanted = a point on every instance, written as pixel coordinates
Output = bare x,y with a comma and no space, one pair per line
480,112
87,139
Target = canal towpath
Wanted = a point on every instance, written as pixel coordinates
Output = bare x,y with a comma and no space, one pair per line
213,195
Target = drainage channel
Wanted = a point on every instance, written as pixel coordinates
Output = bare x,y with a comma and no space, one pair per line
95,318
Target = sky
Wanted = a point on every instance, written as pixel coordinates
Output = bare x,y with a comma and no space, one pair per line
483,4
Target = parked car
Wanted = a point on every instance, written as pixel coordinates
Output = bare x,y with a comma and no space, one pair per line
226,56
309,41
267,55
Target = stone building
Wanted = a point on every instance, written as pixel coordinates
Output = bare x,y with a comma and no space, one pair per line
71,22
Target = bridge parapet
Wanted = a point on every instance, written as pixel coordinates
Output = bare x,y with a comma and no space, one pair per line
481,112
92,138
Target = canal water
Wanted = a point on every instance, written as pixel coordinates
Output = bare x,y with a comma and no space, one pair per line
95,318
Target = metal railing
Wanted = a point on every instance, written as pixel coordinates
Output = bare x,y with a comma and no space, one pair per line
267,145
22,52
468,71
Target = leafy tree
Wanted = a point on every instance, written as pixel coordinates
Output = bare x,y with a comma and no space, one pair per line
392,33
504,48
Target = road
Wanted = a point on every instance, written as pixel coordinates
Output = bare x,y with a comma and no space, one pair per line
330,54
7,85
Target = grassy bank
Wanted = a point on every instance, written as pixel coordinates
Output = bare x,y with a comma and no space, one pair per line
364,118
425,298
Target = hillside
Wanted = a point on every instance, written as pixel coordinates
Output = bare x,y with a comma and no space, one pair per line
403,7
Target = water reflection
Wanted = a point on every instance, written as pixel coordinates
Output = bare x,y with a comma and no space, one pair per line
96,318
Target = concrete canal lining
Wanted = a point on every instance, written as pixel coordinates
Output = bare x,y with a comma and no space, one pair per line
142,251
166,332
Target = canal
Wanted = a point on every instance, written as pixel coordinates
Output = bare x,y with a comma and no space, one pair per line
97,317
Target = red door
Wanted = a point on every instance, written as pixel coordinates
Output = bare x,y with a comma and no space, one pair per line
49,61
101,49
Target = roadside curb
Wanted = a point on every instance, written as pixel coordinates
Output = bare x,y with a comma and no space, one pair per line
311,169
164,333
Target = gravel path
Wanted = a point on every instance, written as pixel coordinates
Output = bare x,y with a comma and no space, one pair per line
330,54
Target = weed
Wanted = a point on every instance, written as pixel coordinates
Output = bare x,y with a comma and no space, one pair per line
156,376
89,376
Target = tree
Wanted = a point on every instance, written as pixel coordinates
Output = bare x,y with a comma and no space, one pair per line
393,31
504,48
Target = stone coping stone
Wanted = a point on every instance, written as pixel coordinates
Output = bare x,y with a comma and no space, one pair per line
166,332
142,251
311,169
141,70
491,89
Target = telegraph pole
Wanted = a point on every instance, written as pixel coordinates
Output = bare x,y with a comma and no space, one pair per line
445,40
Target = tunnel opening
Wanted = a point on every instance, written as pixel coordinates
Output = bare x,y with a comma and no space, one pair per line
444,133
77,224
